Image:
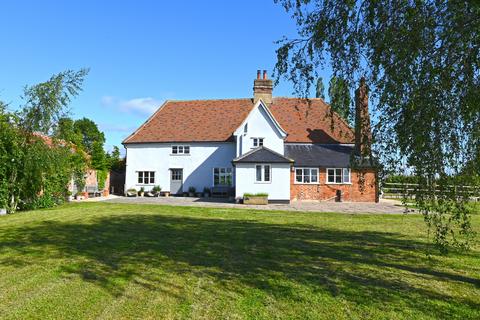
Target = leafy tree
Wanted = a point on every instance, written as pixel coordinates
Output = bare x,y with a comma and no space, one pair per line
421,60
65,130
90,133
320,92
115,162
34,171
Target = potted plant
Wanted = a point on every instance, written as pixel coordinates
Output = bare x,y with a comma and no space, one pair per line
191,191
257,198
206,192
79,195
156,191
132,192
141,193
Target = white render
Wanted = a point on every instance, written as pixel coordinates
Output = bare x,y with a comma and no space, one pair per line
197,167
260,124
277,189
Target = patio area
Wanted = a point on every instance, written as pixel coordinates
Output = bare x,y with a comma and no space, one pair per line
383,207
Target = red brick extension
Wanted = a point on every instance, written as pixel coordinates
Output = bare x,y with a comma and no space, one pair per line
350,192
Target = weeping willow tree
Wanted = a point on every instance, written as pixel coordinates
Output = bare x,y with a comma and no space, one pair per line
421,60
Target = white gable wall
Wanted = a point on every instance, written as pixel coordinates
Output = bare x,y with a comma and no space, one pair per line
259,125
197,167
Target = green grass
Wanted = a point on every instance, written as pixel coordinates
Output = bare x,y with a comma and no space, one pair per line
114,261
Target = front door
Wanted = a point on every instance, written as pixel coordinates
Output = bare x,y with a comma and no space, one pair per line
176,181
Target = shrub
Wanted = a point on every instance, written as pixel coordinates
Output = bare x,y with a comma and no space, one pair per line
192,189
156,189
206,190
259,194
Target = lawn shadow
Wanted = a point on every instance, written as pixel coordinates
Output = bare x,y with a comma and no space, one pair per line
238,253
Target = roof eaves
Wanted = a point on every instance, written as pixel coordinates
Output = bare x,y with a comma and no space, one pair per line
125,141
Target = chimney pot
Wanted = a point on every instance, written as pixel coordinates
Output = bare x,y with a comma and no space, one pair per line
262,88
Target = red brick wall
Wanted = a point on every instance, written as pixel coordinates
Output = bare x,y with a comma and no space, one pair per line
356,191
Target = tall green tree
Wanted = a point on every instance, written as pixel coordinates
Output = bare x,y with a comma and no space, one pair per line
90,133
421,60
320,89
340,99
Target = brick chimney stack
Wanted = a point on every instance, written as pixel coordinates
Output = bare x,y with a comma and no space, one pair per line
262,88
363,132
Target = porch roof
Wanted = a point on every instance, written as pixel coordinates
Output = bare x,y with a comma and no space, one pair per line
262,155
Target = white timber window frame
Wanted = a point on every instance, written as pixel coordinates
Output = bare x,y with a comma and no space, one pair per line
257,142
306,176
263,173
145,177
338,176
222,177
180,150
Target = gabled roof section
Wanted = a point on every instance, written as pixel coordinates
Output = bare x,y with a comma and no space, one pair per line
303,120
262,155
194,120
261,104
311,121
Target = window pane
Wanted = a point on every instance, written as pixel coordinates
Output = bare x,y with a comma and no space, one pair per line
216,179
216,170
187,149
255,142
346,176
338,172
338,179
314,174
306,179
152,177
331,175
298,173
180,149
174,149
259,173
267,173
260,142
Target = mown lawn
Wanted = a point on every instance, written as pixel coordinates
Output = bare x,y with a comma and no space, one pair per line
114,261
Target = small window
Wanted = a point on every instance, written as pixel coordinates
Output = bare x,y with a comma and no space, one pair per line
146,177
263,173
180,149
257,142
222,176
338,175
306,175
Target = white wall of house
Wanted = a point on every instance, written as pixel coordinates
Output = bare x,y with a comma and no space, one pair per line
197,166
277,189
259,125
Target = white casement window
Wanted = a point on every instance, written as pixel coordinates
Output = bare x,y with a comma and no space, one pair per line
146,177
257,142
306,175
222,176
338,175
263,173
180,149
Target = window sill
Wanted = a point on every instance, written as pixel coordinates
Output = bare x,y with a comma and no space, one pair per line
308,183
180,155
339,183
263,182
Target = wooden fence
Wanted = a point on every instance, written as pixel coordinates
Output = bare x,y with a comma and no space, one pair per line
391,190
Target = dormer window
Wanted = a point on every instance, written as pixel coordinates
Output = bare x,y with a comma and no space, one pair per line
180,150
257,142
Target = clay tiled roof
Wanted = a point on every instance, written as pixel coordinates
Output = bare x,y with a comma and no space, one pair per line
310,121
216,120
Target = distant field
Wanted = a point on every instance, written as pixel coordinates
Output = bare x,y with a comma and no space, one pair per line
120,261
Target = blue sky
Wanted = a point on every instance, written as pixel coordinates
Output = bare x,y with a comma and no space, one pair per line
140,52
